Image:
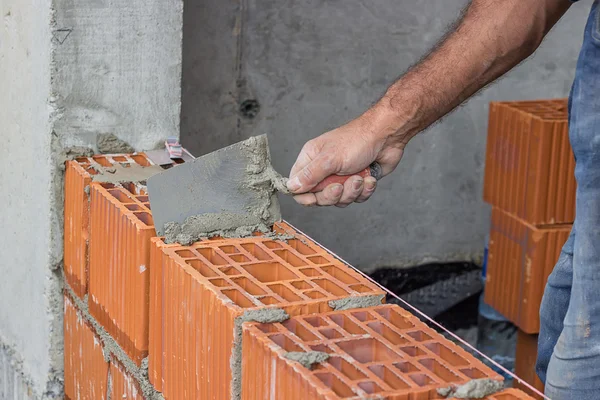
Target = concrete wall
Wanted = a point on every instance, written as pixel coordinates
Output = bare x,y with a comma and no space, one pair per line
68,71
312,66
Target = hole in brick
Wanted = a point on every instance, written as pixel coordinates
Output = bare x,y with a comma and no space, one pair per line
446,354
314,294
212,256
219,282
270,272
311,272
412,351
347,369
387,333
299,330
419,336
347,324
322,348
238,298
185,253
102,161
133,207
301,285
473,373
256,251
300,247
370,387
268,300
316,321
367,350
439,370
339,274
285,292
141,160
249,286
142,199
106,185
390,378
330,287
239,258
394,318
363,316
91,171
338,387
267,328
318,260
421,379
406,367
272,245
119,158
229,270
120,195
361,288
331,333
145,217
290,258
130,187
285,343
202,268
228,249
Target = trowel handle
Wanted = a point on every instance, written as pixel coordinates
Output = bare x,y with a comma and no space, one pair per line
373,170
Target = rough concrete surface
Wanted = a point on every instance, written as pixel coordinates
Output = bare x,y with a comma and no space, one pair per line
356,302
315,65
308,358
474,389
108,143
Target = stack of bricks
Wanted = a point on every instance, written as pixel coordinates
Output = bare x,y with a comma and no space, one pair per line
250,318
530,183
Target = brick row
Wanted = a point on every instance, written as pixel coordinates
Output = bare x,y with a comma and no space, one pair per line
529,170
520,259
205,287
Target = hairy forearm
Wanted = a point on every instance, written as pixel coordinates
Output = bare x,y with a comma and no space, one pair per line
491,38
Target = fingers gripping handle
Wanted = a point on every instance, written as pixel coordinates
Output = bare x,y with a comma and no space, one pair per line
373,170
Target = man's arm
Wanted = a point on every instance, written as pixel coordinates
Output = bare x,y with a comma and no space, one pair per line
491,38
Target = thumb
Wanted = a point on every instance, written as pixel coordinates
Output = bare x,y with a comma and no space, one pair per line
311,174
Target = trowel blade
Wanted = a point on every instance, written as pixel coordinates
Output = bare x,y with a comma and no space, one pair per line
213,183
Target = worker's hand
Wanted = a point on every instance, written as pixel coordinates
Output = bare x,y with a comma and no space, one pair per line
346,150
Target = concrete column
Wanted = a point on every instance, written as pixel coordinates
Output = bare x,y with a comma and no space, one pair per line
69,71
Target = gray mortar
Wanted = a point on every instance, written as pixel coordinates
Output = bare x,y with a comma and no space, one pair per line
112,348
474,389
119,174
308,358
356,302
264,316
109,143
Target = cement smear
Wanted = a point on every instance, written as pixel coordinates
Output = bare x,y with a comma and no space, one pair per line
349,303
307,359
474,389
112,349
120,174
264,316
109,143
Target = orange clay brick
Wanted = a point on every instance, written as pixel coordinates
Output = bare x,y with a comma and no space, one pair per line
382,352
78,176
206,289
529,170
123,386
120,231
520,259
510,394
86,370
526,355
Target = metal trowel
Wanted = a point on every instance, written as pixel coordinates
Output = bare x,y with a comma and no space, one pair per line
236,180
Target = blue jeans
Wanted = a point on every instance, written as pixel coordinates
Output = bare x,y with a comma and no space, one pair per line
569,342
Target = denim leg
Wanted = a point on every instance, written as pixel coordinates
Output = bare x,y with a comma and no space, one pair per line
554,306
574,367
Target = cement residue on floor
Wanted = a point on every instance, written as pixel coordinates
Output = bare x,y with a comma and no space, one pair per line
109,143
307,359
474,389
120,174
352,302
